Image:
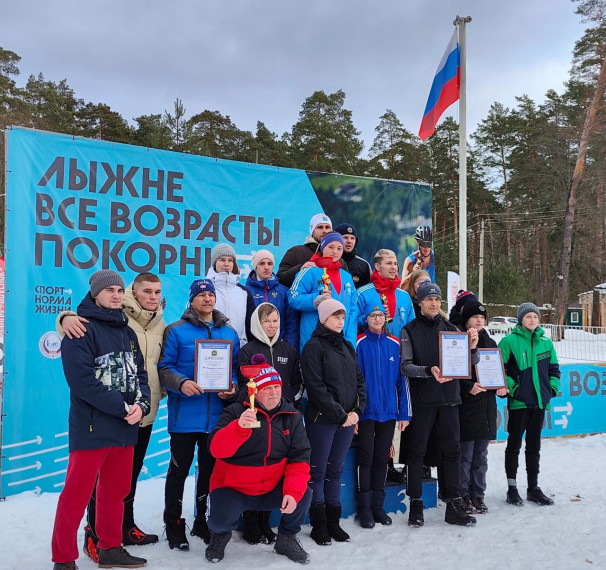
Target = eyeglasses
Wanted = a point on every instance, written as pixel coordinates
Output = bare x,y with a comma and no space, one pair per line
377,315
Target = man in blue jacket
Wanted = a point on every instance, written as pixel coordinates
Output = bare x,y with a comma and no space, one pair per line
192,412
265,288
109,395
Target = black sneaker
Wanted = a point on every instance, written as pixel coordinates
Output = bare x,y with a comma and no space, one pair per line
215,551
455,513
134,535
90,544
415,515
65,566
513,497
175,534
467,505
290,547
537,496
200,529
119,558
479,505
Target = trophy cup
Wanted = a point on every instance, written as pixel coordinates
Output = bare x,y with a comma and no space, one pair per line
251,371
388,318
324,262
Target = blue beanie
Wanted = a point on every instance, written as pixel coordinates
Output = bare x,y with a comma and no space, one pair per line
199,286
329,238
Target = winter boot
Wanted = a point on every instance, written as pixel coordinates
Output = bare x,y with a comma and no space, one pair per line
467,506
537,496
215,551
395,476
290,547
265,528
90,544
319,528
200,528
134,535
252,532
365,517
175,534
119,558
378,512
455,513
333,516
415,515
479,505
65,566
513,497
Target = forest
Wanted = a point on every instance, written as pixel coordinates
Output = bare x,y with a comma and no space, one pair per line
533,169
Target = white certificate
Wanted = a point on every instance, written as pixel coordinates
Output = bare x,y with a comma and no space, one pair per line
455,355
213,365
490,370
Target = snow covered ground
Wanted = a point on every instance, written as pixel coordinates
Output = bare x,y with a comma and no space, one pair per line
568,535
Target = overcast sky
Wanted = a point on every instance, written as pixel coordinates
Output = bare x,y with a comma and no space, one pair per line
259,60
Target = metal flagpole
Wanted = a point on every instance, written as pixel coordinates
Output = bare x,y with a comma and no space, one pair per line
461,22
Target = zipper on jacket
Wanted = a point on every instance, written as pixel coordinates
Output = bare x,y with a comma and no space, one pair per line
90,427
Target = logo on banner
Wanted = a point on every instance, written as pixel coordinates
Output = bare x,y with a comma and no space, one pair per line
50,344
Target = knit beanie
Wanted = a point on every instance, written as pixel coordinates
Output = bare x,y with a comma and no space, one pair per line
462,297
102,279
220,250
267,376
329,238
318,219
366,307
428,289
262,254
471,308
526,308
200,285
329,307
346,229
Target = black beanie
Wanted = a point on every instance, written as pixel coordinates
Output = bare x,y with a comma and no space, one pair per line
346,229
472,307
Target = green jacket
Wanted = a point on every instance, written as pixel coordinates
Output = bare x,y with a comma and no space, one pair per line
531,366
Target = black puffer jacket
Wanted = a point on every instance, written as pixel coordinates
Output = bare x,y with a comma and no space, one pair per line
358,267
478,414
335,385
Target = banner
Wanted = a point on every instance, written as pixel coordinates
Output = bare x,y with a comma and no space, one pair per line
453,289
74,206
578,408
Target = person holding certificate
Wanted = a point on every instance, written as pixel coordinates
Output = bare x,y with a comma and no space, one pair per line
193,410
435,400
477,413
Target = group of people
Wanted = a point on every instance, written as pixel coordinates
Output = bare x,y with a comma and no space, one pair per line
337,349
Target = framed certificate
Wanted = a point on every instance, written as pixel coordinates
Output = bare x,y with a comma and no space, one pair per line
455,354
212,370
490,370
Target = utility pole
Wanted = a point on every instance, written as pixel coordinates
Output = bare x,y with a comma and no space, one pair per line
481,264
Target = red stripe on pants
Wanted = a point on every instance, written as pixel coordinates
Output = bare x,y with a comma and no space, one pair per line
113,467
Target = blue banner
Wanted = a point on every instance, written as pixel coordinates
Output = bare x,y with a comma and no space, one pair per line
578,408
75,205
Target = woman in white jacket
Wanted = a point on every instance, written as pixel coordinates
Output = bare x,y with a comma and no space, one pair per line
233,299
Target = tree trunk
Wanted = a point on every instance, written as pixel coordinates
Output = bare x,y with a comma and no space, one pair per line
563,277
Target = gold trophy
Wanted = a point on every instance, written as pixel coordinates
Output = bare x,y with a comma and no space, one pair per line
326,281
251,371
388,318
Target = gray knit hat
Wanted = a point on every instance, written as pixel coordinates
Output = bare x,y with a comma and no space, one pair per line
428,289
221,250
102,279
526,308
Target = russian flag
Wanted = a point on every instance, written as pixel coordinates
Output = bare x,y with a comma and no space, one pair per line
444,89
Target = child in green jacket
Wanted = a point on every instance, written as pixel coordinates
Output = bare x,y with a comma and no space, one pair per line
533,378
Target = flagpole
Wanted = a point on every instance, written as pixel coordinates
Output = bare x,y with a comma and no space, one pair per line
461,22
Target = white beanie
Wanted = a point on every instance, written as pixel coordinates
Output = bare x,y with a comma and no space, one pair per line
318,219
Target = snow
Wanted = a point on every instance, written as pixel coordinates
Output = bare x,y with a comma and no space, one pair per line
567,535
